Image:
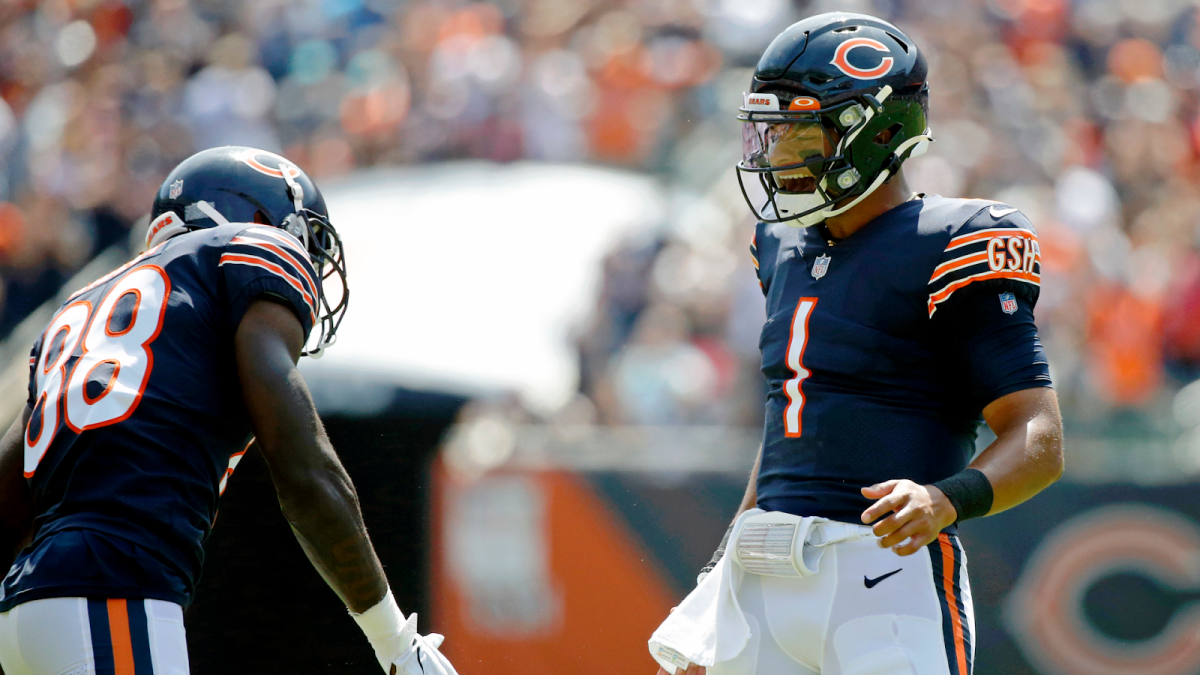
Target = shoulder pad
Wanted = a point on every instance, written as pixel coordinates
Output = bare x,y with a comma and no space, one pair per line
769,240
997,243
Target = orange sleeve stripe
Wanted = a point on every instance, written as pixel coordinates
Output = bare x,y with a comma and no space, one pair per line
281,253
254,261
960,647
988,234
946,292
280,236
122,642
966,261
957,264
755,261
1002,274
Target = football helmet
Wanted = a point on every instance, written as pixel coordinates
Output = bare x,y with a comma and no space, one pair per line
837,103
235,184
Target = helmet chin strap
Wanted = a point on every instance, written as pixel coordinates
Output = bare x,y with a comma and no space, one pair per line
298,217
212,212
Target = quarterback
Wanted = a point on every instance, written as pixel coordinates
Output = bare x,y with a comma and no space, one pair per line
896,322
144,392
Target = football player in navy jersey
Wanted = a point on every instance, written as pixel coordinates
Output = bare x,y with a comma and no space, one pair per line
144,392
896,322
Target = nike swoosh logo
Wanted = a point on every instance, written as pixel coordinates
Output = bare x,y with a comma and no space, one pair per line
1000,213
870,583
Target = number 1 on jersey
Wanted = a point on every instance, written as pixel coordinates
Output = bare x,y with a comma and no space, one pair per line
797,341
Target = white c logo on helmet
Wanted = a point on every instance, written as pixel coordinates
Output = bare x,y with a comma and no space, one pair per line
841,61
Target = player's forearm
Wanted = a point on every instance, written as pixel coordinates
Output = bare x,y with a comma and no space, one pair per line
322,508
1026,456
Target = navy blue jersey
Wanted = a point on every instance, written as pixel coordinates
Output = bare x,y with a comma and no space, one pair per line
138,418
881,350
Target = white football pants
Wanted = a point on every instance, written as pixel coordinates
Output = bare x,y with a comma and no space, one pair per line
867,611
89,636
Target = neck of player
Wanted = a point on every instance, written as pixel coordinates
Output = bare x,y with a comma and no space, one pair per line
891,194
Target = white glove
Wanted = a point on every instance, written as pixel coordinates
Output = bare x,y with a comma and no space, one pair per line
398,647
419,656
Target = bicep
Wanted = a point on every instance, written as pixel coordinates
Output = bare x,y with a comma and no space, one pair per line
1020,407
267,344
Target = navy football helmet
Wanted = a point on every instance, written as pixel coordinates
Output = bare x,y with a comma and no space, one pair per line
236,184
837,103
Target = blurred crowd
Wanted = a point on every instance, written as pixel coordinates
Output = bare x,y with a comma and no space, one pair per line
100,98
1083,114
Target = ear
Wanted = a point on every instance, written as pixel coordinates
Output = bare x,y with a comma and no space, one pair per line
260,218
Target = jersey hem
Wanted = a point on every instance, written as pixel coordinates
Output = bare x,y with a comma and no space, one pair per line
46,592
1021,386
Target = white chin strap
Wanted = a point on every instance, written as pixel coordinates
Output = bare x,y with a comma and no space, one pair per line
212,212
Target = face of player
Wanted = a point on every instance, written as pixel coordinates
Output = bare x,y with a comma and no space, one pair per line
800,146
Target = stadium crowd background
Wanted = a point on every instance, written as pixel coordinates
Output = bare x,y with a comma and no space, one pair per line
1084,114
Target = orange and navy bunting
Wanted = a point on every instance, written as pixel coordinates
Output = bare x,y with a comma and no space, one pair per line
120,636
945,556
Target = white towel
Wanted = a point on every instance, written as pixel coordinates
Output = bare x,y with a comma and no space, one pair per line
708,627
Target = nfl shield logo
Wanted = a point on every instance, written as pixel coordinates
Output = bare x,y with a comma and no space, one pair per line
176,189
1008,303
820,266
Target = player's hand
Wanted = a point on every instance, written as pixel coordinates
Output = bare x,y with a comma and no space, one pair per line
918,514
410,653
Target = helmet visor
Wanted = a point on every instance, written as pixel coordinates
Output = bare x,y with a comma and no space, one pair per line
793,153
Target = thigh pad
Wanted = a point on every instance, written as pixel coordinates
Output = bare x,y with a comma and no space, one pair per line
890,645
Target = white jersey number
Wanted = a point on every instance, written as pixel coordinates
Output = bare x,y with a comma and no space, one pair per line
106,382
797,341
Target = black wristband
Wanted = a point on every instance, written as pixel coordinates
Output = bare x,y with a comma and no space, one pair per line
969,491
719,553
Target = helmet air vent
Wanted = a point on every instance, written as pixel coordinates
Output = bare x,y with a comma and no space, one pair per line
889,135
902,43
